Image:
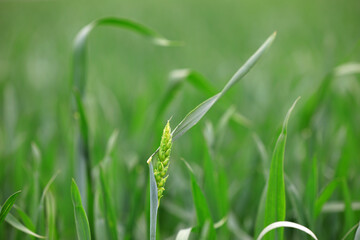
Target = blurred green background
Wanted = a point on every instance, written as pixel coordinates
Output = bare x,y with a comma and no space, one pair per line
127,77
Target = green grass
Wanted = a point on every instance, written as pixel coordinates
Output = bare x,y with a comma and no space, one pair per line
125,90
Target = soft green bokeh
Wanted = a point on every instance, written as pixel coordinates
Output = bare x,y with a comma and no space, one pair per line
127,77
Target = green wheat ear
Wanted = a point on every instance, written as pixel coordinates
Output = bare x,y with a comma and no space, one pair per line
163,161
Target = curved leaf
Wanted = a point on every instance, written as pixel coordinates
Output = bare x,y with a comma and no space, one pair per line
356,226
81,221
195,115
19,226
283,224
81,39
275,206
201,206
109,210
325,195
5,209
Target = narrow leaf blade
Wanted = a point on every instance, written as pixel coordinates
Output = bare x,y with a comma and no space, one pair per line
81,220
153,203
19,226
109,210
195,115
275,200
51,215
5,209
325,195
201,206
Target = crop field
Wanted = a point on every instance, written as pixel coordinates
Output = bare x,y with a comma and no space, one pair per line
179,120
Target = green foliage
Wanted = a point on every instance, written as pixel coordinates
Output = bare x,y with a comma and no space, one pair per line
60,100
6,207
19,226
275,207
81,220
204,219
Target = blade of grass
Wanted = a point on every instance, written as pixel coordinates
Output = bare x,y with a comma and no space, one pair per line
109,210
6,207
283,224
235,228
263,154
153,203
295,201
25,218
19,226
81,39
81,220
176,81
311,191
34,202
351,231
211,188
46,188
349,214
84,153
195,115
50,215
275,199
79,83
223,192
324,196
201,206
260,216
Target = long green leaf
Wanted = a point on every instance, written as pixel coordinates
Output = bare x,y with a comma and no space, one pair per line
51,215
25,218
81,220
177,79
275,206
19,226
81,39
201,206
211,188
349,213
109,210
260,215
195,115
5,209
295,201
153,203
324,196
311,191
